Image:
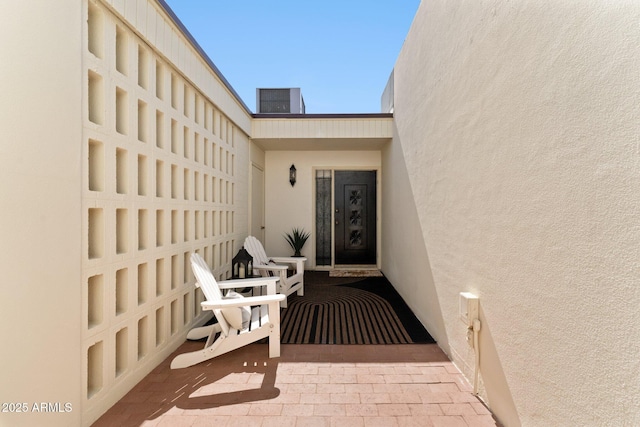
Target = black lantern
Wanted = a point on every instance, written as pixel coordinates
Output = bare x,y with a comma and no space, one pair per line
242,264
292,175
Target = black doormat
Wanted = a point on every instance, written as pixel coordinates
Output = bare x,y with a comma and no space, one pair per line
348,310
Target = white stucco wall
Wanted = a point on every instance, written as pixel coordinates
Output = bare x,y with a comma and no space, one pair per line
518,122
287,207
40,171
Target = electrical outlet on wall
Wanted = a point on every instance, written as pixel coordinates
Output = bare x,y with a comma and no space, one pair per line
468,308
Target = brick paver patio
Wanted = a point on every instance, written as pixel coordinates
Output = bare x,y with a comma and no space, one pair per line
309,385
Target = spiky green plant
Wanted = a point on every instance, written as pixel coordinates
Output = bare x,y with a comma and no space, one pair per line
296,239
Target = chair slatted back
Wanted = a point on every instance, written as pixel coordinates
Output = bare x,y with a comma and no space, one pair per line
256,250
209,286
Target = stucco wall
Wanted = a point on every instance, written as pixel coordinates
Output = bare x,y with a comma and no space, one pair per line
518,122
287,207
40,213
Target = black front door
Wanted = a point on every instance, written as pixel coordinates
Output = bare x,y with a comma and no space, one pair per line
355,217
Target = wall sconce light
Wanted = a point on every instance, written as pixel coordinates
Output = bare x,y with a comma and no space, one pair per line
292,175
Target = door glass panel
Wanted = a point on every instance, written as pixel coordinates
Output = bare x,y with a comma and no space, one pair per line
323,217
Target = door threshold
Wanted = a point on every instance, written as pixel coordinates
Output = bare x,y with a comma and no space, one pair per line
355,271
355,266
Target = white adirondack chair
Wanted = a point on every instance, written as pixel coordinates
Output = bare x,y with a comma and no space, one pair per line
273,266
238,323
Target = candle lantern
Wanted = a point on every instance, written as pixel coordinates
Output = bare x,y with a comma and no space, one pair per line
242,264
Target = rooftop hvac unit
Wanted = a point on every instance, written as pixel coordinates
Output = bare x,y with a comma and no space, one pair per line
279,101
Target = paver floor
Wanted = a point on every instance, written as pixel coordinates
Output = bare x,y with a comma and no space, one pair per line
309,385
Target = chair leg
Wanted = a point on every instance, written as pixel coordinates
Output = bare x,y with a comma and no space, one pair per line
274,330
193,358
203,332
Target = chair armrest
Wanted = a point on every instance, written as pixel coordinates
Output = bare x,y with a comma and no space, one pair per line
289,259
298,261
242,302
269,282
271,267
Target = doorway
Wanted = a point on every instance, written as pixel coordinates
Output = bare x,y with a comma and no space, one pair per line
355,217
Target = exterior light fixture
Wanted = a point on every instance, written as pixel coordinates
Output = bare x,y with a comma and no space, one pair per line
292,175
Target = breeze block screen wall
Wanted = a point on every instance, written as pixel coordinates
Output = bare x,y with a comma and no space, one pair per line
162,162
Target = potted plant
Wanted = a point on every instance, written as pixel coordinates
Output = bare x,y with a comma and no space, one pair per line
296,239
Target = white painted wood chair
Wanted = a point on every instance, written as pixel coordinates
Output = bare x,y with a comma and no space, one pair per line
241,320
273,266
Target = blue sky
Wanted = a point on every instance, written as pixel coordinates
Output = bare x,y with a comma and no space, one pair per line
339,52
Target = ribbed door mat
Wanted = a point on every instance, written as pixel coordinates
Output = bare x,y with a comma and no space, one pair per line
349,311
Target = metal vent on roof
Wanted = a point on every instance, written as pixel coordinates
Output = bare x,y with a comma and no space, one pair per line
282,101
275,101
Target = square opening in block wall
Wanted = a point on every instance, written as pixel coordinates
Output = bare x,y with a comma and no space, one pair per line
122,231
185,102
216,123
174,226
215,261
198,230
186,138
96,165
196,185
174,182
143,67
159,129
187,268
143,229
160,238
95,366
176,273
159,178
122,111
175,316
143,283
196,147
159,80
207,116
143,337
122,291
96,233
122,171
187,226
161,331
95,301
198,297
186,309
174,137
122,51
143,122
197,109
186,183
143,175
122,351
95,30
207,255
175,88
161,277
96,98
